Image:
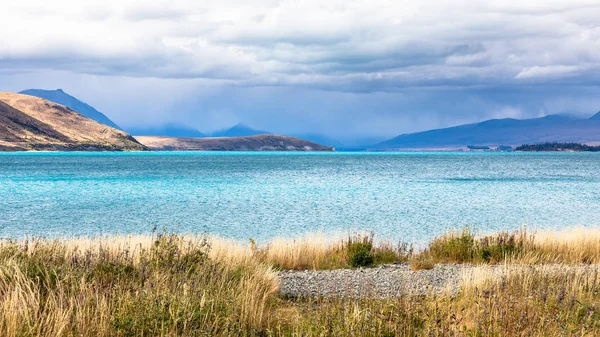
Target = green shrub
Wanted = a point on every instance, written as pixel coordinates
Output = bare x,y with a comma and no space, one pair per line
495,248
457,247
359,251
383,256
462,247
361,258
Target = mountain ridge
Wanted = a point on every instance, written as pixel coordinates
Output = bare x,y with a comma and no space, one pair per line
33,123
263,142
73,103
507,131
238,130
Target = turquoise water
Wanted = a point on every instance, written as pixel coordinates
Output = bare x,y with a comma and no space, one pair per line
402,196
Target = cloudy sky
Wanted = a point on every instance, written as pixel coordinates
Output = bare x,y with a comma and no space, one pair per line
348,69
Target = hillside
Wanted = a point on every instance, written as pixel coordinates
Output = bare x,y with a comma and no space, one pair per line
249,143
239,130
32,123
61,97
514,132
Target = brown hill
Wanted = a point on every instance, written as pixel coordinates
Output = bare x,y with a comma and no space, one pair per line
247,143
32,123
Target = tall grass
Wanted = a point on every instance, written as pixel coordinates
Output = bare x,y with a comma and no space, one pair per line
315,251
169,285
519,302
570,246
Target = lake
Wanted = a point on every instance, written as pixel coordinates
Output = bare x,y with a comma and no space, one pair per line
400,196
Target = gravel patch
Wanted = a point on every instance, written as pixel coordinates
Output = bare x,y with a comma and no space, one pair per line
383,281
395,280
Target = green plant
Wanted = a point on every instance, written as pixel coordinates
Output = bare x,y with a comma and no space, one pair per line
456,247
496,248
359,251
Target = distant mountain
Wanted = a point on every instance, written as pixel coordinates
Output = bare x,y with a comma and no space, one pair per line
319,139
238,131
170,130
364,141
32,123
61,97
262,142
595,117
552,128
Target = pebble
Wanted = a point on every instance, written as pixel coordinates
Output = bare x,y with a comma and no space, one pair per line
385,281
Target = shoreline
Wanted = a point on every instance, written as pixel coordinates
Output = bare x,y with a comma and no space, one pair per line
172,285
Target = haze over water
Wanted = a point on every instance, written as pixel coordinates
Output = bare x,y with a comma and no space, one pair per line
401,196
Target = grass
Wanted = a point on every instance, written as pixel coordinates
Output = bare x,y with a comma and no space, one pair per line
315,251
167,286
528,303
170,285
567,246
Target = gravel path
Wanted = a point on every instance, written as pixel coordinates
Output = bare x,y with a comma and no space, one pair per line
393,280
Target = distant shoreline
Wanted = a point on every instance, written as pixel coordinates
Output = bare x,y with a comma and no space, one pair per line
558,147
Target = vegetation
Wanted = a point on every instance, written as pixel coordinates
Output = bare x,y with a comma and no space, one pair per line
572,246
170,285
318,252
478,147
526,303
464,247
547,147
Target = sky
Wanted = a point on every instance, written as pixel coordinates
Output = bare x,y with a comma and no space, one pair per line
348,69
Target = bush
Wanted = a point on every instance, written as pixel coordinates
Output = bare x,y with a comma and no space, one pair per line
361,258
462,247
457,247
496,248
384,256
359,251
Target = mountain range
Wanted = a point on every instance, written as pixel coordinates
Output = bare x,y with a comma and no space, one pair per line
238,130
262,142
167,130
508,131
31,123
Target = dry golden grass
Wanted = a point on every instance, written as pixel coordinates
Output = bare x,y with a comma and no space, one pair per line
171,285
537,300
312,251
168,285
519,302
570,245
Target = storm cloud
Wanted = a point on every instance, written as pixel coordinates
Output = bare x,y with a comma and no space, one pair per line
345,68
